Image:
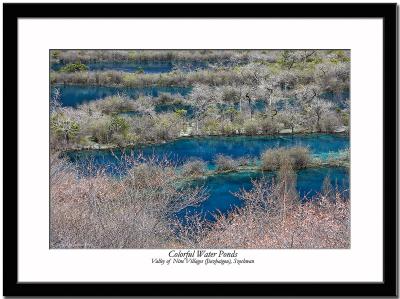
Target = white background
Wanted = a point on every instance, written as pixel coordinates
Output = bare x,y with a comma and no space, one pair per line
363,262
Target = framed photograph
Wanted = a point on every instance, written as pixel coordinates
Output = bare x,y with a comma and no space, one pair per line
200,150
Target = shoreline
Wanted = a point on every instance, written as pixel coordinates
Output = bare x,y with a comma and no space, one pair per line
54,85
110,147
254,169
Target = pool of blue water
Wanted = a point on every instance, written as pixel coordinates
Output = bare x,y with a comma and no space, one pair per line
73,95
148,67
222,188
206,148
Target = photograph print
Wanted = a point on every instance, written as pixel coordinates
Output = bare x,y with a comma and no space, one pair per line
176,149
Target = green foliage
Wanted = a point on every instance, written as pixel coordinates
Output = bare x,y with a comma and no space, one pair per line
132,55
211,126
251,127
110,129
119,125
316,60
64,128
74,67
286,59
231,112
228,128
55,54
99,130
339,56
166,127
181,113
111,105
345,118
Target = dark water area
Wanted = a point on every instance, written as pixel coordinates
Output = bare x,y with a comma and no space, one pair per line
222,188
74,95
206,148
147,67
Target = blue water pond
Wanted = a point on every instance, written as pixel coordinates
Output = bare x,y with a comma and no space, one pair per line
206,148
148,67
222,188
73,95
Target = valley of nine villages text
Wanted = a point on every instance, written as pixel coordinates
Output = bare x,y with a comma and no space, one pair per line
202,257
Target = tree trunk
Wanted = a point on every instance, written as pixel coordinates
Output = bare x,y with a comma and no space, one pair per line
251,109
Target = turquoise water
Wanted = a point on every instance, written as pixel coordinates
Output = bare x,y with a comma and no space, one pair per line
206,148
221,188
73,95
148,67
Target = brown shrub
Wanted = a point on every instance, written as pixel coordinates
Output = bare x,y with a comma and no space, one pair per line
194,168
102,212
273,159
225,163
99,211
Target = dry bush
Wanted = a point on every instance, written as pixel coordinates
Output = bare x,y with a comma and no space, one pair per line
330,122
109,105
225,163
275,218
269,126
99,211
246,161
251,127
273,159
194,168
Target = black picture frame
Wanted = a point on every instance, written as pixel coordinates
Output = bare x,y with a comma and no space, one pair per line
11,14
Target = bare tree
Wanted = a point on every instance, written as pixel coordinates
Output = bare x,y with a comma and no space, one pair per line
201,97
317,109
55,100
144,105
291,117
